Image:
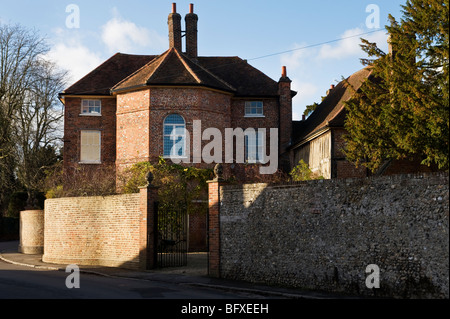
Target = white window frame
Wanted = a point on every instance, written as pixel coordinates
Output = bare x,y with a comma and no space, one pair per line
87,104
251,106
84,147
255,147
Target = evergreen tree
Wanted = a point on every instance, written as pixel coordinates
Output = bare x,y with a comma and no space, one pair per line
402,110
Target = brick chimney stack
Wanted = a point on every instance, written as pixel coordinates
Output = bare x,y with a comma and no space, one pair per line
191,33
392,52
331,89
285,100
174,22
283,72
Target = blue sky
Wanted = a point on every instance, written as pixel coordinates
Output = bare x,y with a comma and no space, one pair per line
251,29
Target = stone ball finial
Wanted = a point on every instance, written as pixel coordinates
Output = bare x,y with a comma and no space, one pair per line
218,171
149,178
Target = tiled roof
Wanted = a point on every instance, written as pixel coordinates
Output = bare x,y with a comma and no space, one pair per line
172,68
123,72
331,112
247,80
100,80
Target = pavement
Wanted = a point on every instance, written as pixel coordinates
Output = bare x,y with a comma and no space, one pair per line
194,274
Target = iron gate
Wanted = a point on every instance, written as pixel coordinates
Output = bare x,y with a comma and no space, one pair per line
172,234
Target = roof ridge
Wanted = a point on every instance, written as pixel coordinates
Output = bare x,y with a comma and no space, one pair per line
213,75
355,88
174,67
94,71
333,105
116,61
195,76
141,68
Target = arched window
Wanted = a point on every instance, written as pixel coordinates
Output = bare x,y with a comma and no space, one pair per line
174,136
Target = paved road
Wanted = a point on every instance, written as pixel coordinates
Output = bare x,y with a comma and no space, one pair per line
18,282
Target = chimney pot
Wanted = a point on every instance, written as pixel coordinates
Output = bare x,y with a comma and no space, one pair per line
283,72
174,22
191,33
303,117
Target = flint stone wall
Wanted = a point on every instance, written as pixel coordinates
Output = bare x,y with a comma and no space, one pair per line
323,234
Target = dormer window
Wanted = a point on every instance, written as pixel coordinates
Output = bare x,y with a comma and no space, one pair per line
254,109
91,107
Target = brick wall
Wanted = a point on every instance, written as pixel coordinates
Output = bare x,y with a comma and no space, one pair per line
270,120
74,123
344,169
211,107
214,229
133,131
323,234
141,114
340,167
31,232
197,229
94,230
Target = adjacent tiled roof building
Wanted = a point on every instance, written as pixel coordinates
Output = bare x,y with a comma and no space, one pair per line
320,139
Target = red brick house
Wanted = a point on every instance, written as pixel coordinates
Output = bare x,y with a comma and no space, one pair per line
127,109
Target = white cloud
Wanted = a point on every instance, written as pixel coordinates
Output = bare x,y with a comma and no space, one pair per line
69,52
306,94
312,68
124,36
350,44
77,59
297,58
305,91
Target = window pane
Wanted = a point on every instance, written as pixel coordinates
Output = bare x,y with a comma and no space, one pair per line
174,119
168,143
255,147
174,134
168,129
91,106
253,108
179,130
250,147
